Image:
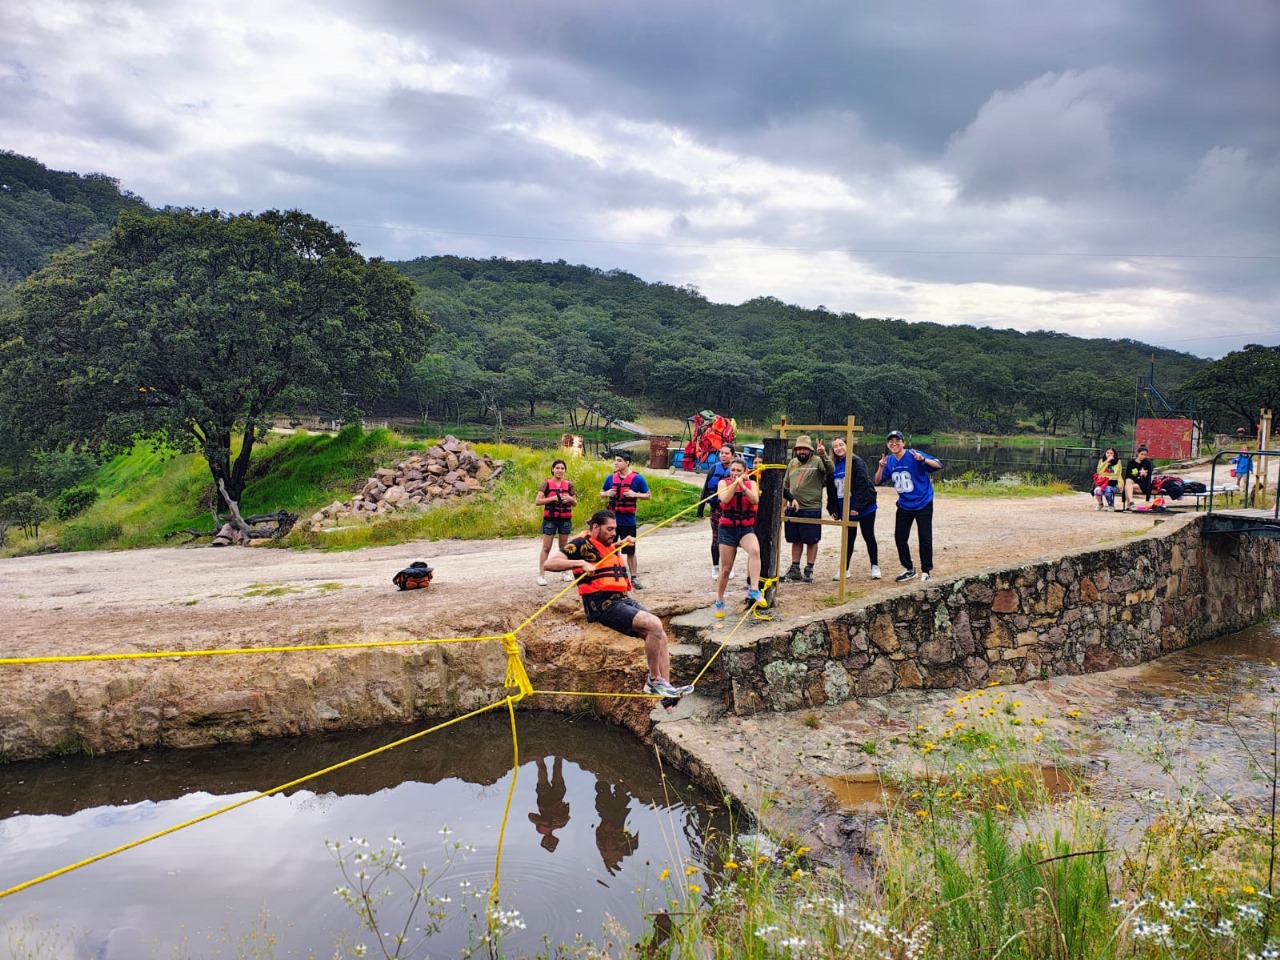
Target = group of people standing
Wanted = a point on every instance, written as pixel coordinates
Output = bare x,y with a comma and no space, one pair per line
603,562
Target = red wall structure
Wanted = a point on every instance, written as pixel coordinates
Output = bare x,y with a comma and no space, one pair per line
1165,439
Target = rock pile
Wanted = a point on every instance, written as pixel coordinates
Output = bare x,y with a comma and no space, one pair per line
449,469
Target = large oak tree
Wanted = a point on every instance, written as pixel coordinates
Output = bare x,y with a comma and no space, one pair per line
193,328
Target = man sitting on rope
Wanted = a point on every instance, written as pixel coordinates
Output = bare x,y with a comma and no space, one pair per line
603,584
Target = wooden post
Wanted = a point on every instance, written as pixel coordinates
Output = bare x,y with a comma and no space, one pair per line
769,515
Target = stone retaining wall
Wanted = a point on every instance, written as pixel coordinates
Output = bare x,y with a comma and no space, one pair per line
1085,612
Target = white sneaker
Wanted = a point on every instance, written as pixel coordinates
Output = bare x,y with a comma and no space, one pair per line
875,572
924,577
836,576
568,576
542,581
715,573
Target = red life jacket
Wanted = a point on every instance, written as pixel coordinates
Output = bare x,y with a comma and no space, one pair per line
557,509
617,503
610,575
739,511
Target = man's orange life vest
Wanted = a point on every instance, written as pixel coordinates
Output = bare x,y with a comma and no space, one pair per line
610,575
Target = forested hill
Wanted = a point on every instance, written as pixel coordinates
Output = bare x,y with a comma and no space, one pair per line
534,333
43,210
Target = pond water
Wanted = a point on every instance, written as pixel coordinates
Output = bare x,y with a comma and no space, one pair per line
592,824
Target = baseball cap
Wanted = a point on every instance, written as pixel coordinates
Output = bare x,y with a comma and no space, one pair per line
896,435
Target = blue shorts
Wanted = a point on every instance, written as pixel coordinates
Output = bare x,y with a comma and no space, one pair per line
552,527
733,536
802,532
616,614
630,531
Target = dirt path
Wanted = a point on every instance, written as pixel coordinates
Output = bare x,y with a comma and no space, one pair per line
193,597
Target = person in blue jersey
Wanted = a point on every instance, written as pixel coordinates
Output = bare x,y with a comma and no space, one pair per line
910,472
862,504
621,490
719,471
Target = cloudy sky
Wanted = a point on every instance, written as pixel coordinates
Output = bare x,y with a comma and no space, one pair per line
1106,168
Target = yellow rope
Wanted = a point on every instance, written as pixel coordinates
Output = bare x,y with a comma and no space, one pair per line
502,830
516,676
234,651
247,800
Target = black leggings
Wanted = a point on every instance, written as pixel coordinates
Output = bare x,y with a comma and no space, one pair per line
867,524
923,519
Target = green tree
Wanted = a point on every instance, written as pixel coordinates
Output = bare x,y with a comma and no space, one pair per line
192,328
25,509
1234,389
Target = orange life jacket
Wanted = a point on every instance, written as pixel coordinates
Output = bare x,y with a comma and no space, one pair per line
557,509
739,511
618,503
610,575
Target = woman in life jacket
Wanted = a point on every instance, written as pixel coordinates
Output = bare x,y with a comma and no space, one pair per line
719,471
739,498
557,499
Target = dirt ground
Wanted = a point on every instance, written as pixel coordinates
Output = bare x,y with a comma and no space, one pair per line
200,597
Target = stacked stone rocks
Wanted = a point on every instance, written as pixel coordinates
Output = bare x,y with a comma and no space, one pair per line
447,470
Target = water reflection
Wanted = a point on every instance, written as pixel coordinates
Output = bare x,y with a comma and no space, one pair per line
209,883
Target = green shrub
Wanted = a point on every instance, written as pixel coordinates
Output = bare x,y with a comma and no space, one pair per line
74,500
88,536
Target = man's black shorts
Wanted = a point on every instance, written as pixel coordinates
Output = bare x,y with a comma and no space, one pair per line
624,531
616,613
802,532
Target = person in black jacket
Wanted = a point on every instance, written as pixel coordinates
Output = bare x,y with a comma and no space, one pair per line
862,503
1138,474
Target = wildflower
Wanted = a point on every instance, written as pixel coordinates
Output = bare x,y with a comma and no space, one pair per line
690,871
922,813
793,943
801,851
1017,703
1039,721
797,875
1073,713
728,865
1001,807
993,683
763,932
1016,721
1220,891
761,860
694,888
664,874
1248,888
1037,738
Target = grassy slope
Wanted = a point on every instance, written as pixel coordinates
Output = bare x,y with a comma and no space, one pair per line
145,494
